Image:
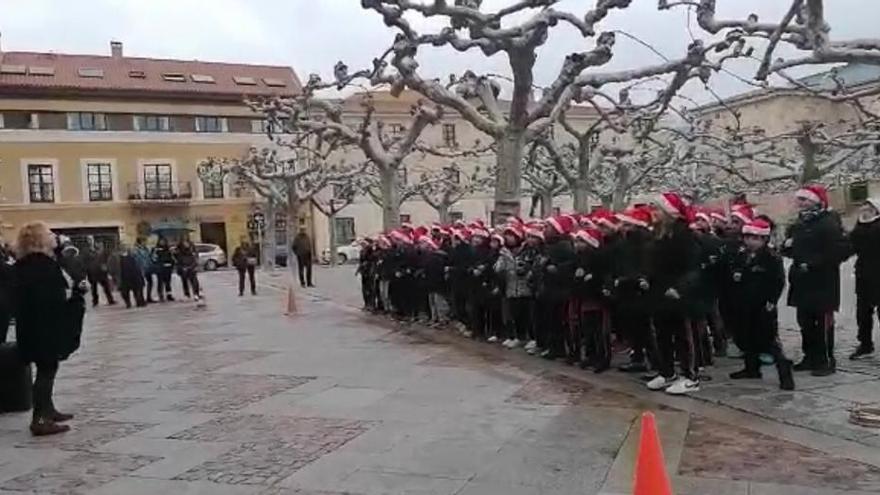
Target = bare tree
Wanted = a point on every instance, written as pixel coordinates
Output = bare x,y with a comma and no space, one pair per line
286,182
516,32
342,193
444,187
803,27
543,181
375,186
306,115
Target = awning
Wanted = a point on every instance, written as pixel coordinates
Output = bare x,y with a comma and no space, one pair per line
166,227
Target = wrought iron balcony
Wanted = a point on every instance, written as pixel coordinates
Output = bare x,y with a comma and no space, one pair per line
163,192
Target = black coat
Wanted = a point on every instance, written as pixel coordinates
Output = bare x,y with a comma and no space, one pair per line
556,272
435,263
48,322
865,239
129,275
756,279
7,273
711,270
819,244
629,263
186,258
594,266
242,255
675,264
163,258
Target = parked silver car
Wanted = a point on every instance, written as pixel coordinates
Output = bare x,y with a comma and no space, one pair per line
211,256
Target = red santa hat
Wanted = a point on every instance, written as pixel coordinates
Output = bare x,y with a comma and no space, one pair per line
400,236
815,193
718,215
562,224
593,237
436,227
757,227
477,224
383,241
673,204
459,224
429,243
586,221
420,232
743,212
515,229
406,226
638,216
535,232
498,237
606,218
477,231
703,214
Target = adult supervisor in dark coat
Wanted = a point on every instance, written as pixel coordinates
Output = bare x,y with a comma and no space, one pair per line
302,248
48,317
816,245
865,239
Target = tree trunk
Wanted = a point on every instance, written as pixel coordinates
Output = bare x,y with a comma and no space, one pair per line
546,204
270,243
443,213
331,236
509,161
580,189
620,195
808,151
390,199
581,197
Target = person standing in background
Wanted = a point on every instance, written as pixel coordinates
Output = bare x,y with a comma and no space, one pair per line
163,263
302,248
6,272
145,261
865,239
130,277
244,259
816,245
187,261
96,261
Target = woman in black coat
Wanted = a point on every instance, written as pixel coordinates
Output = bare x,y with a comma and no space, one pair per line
816,245
48,314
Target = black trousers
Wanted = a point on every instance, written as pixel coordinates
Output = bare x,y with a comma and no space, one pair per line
634,323
865,311
102,282
731,319
249,270
163,288
44,383
478,312
817,335
592,338
761,335
304,266
674,334
138,296
519,318
149,278
550,328
190,280
5,318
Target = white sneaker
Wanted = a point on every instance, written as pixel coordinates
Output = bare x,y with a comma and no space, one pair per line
531,350
506,343
531,345
660,383
515,343
467,333
683,386
492,339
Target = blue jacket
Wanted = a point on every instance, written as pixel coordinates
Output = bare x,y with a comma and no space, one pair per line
144,260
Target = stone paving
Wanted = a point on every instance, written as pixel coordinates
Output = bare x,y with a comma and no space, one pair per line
236,398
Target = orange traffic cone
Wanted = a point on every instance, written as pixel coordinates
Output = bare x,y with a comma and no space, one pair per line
290,305
650,475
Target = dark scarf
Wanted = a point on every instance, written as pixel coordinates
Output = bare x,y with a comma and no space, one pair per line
809,214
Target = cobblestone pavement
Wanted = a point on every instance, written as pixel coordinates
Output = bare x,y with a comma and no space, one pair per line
236,398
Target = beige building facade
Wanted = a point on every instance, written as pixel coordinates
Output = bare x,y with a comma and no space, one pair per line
108,146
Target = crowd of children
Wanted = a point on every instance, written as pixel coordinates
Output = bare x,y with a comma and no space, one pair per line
672,282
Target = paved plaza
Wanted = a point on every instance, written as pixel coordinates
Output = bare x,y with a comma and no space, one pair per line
238,398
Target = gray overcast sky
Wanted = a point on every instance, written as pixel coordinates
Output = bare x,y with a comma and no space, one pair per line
311,35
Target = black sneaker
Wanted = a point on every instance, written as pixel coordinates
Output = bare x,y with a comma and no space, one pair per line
823,370
745,374
861,351
633,367
786,377
804,365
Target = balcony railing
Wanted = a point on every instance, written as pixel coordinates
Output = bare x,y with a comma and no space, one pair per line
160,192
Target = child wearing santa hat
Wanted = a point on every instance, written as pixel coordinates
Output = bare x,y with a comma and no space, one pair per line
589,341
817,246
555,276
758,278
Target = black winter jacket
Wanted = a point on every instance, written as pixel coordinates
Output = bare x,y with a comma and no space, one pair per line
757,278
816,247
865,239
675,264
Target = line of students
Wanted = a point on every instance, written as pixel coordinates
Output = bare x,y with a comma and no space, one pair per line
673,282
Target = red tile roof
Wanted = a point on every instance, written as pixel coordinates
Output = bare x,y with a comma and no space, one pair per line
117,79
